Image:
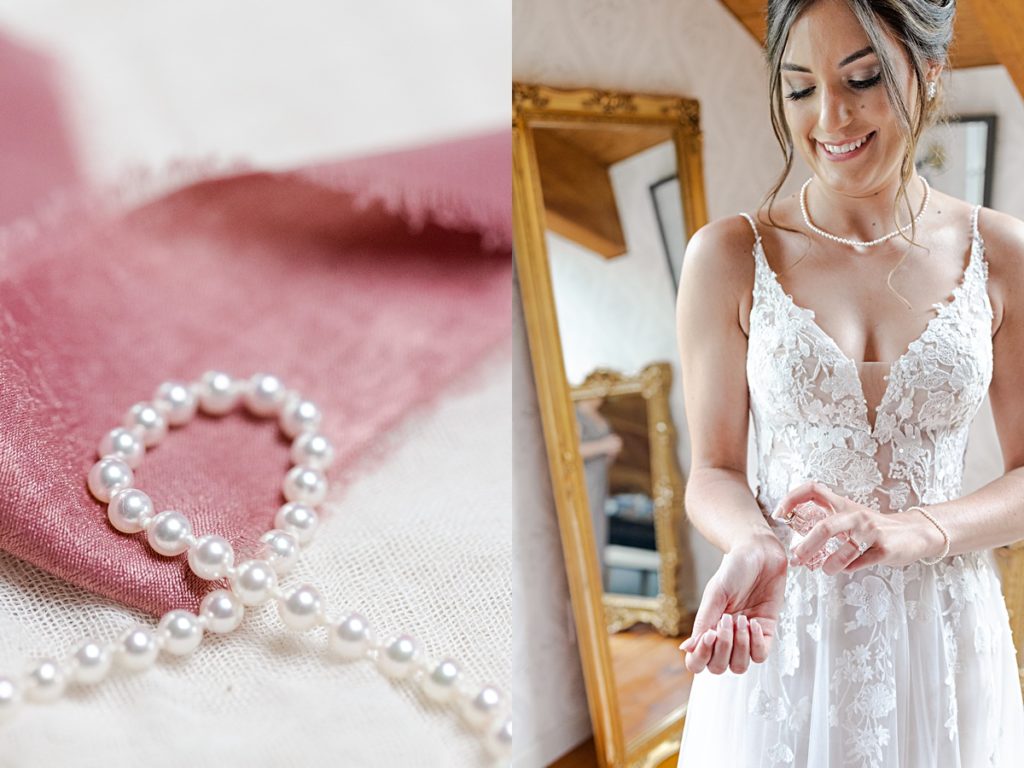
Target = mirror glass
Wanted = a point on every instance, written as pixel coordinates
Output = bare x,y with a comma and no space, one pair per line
615,236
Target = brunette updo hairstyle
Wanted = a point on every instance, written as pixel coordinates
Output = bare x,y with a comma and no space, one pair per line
923,27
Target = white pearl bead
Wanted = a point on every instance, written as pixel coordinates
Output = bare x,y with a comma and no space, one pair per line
10,698
300,607
222,610
211,557
181,631
264,394
169,533
46,682
313,450
499,739
149,420
125,444
253,581
138,649
299,415
129,509
280,549
177,400
108,476
298,519
480,710
90,662
441,684
397,659
350,637
305,484
218,393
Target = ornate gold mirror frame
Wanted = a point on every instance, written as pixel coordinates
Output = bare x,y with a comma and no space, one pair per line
663,612
540,106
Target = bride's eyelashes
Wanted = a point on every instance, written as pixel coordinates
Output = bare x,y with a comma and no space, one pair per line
859,84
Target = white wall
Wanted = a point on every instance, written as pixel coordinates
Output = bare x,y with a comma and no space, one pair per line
694,48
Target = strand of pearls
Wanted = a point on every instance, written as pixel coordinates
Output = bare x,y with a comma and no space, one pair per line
252,582
861,243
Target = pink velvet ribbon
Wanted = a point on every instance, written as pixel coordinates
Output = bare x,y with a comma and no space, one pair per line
370,285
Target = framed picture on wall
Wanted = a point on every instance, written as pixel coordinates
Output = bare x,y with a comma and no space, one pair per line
957,157
665,196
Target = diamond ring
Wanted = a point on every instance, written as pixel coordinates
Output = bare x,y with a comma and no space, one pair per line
862,547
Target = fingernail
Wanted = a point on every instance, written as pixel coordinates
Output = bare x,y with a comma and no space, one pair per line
686,644
756,625
709,637
741,621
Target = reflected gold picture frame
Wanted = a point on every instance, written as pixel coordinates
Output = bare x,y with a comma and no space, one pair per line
664,612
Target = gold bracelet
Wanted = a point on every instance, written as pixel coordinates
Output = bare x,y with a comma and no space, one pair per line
945,535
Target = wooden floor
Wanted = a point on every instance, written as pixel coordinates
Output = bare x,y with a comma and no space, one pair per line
585,757
650,677
651,682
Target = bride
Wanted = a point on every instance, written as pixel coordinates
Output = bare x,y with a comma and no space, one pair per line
861,322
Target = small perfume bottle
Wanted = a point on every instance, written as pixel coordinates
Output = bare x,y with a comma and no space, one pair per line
805,517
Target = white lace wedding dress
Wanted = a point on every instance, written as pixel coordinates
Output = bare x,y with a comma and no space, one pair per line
909,667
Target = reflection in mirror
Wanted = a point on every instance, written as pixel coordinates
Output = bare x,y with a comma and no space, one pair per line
609,269
611,238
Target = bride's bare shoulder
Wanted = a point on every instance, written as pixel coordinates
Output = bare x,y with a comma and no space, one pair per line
718,272
1003,234
720,250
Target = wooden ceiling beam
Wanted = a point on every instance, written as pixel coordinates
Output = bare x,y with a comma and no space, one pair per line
579,202
1003,22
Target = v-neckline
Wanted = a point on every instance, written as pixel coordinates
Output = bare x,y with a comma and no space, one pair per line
941,309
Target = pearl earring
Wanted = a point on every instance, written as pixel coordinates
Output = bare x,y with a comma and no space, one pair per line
931,90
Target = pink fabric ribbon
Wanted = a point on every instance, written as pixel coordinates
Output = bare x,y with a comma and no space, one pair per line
369,285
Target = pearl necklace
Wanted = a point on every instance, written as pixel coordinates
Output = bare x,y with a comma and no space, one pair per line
860,243
253,582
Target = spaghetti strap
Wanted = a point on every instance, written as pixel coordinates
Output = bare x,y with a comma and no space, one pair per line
753,226
974,223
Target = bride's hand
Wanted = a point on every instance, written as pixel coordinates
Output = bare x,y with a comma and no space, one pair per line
739,610
892,539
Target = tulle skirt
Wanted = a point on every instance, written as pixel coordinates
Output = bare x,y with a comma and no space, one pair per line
886,667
